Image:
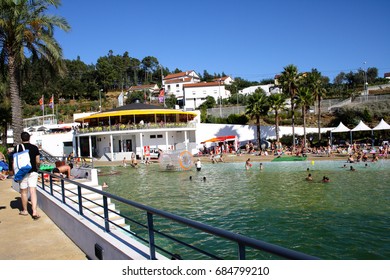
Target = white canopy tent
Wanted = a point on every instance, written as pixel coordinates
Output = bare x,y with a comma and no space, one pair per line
382,125
340,128
361,127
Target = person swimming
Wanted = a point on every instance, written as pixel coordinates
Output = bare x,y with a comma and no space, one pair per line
248,164
325,179
198,165
309,178
352,169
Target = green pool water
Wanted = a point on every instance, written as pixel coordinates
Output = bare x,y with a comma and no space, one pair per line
347,218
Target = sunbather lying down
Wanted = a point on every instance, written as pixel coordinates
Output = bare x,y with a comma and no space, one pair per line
63,170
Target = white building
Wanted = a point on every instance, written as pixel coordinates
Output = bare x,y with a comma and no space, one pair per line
227,80
268,89
174,83
150,91
196,94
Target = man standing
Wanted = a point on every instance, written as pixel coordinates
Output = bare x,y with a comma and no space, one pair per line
29,182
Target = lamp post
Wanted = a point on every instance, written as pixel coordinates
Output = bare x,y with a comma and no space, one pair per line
365,82
100,100
237,98
220,99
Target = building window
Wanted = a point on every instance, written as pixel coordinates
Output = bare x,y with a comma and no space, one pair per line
152,136
204,92
159,136
177,85
194,92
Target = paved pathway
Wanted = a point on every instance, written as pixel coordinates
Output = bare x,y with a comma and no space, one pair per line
22,238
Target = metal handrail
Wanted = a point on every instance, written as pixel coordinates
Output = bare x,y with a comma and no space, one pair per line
242,241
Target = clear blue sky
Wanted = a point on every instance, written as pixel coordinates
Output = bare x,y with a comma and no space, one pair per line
252,39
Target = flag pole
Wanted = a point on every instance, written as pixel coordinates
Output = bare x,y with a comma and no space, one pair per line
43,110
52,104
162,82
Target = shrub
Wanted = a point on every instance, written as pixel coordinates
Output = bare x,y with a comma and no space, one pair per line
237,119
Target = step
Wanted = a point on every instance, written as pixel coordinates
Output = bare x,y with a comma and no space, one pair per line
91,200
72,191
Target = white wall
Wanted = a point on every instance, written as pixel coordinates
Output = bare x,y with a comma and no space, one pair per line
195,96
245,132
52,143
252,89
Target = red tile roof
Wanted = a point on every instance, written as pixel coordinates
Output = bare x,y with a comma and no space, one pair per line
209,84
222,78
177,75
175,81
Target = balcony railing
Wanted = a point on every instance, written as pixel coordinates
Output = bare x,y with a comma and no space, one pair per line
122,127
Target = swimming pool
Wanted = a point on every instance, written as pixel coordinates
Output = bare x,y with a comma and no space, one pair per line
347,218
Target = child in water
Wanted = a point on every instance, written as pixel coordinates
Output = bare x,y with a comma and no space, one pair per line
248,164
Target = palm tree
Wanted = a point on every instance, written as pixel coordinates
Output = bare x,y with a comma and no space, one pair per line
276,103
316,84
305,99
24,28
289,80
5,112
256,108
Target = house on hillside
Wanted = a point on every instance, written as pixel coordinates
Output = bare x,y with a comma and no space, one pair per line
152,88
196,94
227,80
174,83
150,91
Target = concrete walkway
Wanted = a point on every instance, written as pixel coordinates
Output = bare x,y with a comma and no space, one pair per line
22,238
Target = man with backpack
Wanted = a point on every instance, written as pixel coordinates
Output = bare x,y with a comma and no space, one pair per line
29,182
